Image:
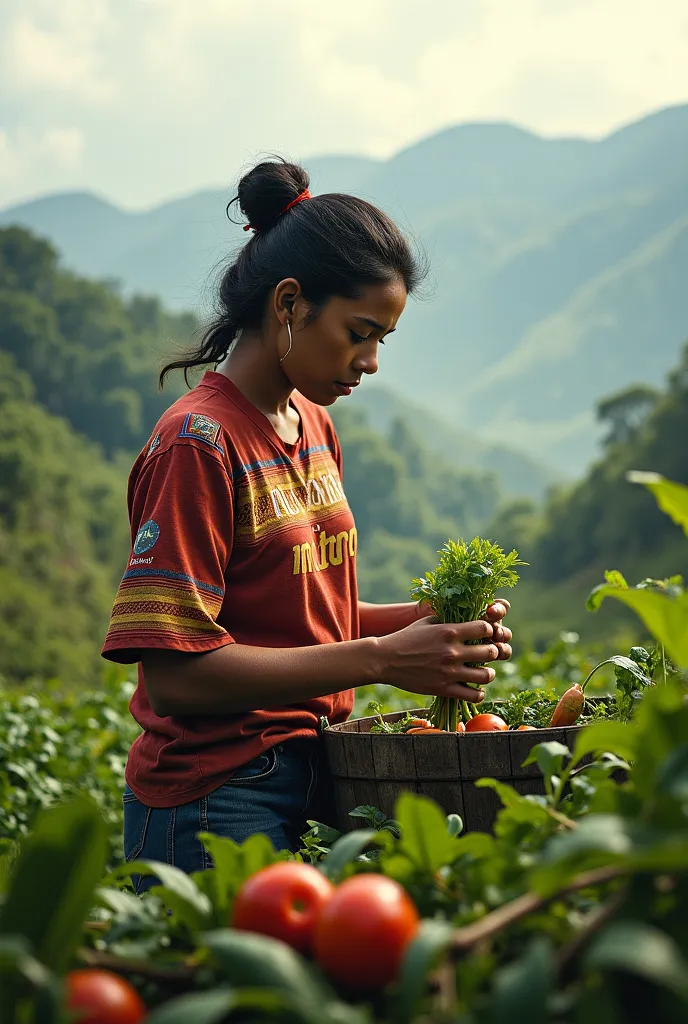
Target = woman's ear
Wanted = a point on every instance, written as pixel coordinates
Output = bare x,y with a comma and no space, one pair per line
285,295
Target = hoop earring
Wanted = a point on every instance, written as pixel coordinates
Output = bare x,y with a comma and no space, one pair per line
291,342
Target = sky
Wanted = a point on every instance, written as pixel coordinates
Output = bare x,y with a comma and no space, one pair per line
145,100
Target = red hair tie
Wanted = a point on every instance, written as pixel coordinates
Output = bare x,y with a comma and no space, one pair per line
299,199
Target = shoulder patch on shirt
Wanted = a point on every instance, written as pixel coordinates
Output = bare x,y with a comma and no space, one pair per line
147,537
155,443
202,428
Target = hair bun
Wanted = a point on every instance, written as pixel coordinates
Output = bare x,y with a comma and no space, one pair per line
264,192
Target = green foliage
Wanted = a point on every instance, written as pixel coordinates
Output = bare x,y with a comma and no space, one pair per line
575,892
467,579
60,743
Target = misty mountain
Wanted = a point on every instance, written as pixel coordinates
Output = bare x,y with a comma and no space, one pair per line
557,268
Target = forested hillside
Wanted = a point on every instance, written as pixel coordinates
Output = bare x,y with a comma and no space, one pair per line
604,521
79,398
558,268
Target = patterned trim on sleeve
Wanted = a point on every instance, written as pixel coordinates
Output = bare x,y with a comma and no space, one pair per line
166,606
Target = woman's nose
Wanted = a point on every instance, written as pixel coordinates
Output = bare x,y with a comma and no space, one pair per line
366,360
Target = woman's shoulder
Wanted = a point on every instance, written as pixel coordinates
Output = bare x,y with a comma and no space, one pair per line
193,419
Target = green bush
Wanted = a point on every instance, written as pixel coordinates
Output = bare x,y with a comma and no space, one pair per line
56,743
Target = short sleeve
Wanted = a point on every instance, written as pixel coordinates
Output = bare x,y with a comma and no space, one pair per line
182,521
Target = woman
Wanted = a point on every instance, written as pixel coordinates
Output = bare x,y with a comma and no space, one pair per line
239,600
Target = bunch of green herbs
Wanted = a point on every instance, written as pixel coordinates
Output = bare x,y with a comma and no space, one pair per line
460,589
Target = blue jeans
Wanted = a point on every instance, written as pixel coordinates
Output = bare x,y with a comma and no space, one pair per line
273,794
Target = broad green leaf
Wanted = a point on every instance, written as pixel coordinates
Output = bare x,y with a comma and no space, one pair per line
18,966
425,839
599,839
672,776
478,845
520,990
421,956
214,1006
630,666
549,757
638,948
616,737
121,902
196,1008
665,617
517,808
506,793
177,890
257,961
54,881
345,850
671,497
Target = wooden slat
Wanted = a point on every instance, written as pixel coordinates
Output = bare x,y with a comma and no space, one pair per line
437,757
449,795
344,801
365,792
393,757
480,808
335,744
359,756
485,753
388,792
521,744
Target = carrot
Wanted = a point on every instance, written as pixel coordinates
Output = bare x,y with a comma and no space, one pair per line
423,730
460,727
418,723
569,707
521,728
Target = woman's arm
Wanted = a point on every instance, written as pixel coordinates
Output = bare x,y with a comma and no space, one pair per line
427,657
383,619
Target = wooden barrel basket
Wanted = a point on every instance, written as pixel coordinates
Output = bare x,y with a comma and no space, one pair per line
375,768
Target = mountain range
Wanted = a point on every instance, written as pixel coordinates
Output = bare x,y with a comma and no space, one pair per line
558,269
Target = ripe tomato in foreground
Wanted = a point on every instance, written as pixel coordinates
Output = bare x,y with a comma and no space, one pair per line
362,934
282,900
101,997
486,723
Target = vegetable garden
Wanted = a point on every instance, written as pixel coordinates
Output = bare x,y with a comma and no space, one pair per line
573,906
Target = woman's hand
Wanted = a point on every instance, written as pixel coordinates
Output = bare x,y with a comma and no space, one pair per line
501,635
430,657
494,613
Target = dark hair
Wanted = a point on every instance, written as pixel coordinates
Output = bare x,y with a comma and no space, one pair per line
332,244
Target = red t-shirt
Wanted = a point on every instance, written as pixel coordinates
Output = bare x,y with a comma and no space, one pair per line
238,537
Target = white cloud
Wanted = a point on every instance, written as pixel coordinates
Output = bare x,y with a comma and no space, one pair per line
57,47
172,95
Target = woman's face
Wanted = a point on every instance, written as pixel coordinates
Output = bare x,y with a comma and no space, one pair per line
329,356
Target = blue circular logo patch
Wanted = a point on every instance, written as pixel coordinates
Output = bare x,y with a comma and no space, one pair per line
146,537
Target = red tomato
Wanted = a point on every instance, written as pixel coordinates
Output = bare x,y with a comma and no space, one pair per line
486,723
282,900
101,997
523,728
362,934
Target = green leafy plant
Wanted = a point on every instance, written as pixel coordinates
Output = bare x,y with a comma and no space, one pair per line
467,579
661,604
